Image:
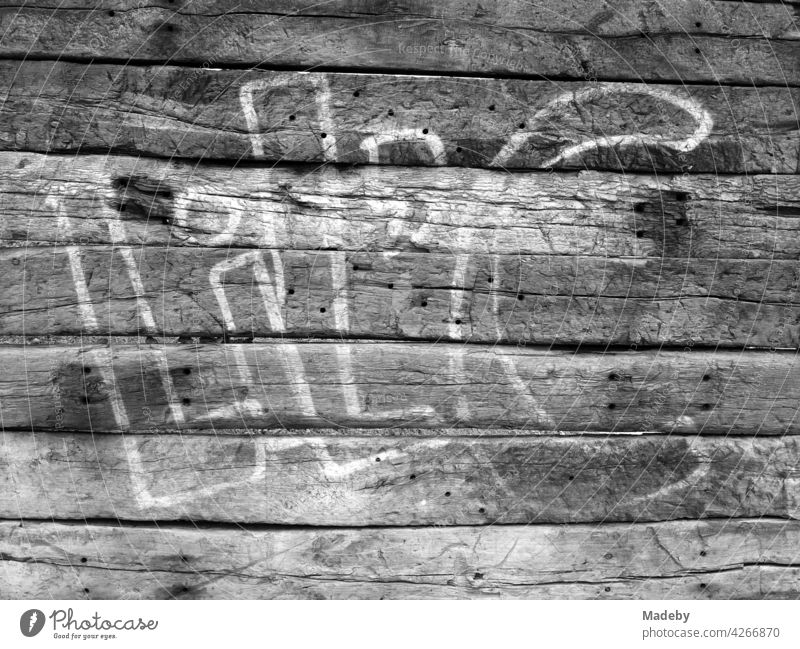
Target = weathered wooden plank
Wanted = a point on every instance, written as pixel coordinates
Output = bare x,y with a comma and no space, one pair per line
417,296
742,42
748,559
622,17
286,384
396,481
140,201
409,120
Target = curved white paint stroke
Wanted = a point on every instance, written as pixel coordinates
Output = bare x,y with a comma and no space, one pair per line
339,471
434,143
239,409
341,319
509,366
341,302
705,124
265,285
455,364
322,98
189,195
104,362
350,391
272,293
102,357
455,331
119,237
85,307
341,322
145,498
670,487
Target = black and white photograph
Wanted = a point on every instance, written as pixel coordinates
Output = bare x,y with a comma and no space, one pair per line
400,300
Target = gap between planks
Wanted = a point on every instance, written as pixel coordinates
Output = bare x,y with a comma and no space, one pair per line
198,64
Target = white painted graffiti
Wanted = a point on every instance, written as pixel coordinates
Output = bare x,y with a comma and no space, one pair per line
322,99
371,143
702,117
270,287
391,133
266,266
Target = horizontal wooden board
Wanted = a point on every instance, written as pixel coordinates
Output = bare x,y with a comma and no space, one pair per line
711,40
396,481
140,201
418,385
409,120
745,559
419,296
652,267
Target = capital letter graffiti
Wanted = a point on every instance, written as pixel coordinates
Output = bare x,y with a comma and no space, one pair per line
270,292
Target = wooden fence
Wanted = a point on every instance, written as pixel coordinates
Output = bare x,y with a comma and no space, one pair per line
348,300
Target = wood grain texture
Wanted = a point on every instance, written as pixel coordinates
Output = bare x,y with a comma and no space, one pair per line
146,202
657,206
657,258
409,120
747,559
396,481
708,41
283,384
215,292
